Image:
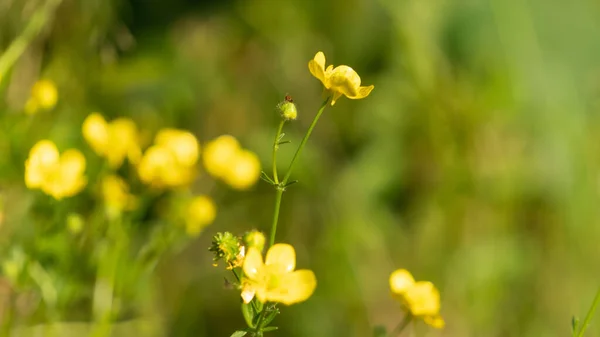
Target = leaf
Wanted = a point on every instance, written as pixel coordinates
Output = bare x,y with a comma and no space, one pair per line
270,328
239,333
574,325
274,312
264,176
248,314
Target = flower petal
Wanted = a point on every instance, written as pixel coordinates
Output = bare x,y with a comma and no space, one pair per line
317,67
296,287
95,132
253,264
336,96
248,293
281,258
362,92
435,321
401,280
345,80
423,299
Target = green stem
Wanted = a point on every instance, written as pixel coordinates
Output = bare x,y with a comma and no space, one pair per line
278,196
19,45
401,326
304,140
281,185
275,148
590,313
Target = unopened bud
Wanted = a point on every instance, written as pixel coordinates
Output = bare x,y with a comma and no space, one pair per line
287,109
255,239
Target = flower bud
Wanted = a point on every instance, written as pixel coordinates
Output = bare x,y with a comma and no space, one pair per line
255,239
287,109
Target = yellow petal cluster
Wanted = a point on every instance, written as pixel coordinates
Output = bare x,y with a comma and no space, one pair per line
114,141
44,96
223,158
275,280
58,175
341,80
171,161
201,212
421,298
116,196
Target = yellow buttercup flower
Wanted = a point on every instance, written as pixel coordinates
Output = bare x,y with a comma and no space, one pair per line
182,144
116,196
201,211
421,298
341,80
275,280
223,158
243,170
114,141
57,175
171,161
219,154
44,96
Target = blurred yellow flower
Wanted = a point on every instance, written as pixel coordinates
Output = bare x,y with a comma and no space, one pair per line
421,298
116,196
182,144
201,212
341,80
56,175
275,280
171,161
223,158
243,171
44,96
219,154
114,141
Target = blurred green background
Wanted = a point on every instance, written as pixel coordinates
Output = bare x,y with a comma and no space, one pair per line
474,163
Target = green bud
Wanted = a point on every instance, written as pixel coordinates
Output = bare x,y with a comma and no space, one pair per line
287,109
255,239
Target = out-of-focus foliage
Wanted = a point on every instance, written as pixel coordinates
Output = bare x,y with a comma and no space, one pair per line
475,162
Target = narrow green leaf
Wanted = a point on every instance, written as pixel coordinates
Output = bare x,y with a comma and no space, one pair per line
270,328
274,312
239,333
248,314
264,176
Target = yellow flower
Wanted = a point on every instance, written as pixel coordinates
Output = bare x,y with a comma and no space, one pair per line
116,196
421,298
56,175
201,211
44,96
183,144
114,141
243,171
275,280
341,80
219,154
223,158
171,161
